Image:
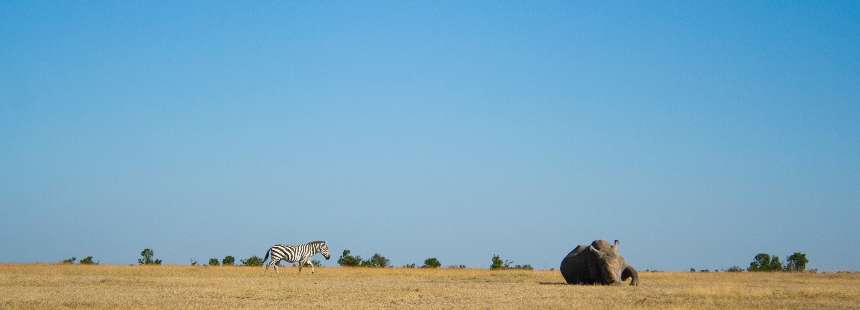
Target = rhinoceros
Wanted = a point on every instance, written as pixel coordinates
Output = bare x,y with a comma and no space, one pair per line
598,263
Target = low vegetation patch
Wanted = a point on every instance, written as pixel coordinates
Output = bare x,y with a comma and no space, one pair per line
431,263
252,261
496,263
147,257
376,261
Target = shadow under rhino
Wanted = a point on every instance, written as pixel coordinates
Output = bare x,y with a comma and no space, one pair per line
598,263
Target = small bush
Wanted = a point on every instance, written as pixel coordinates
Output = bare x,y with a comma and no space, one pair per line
431,263
409,266
252,261
88,261
796,262
147,257
228,260
348,260
497,263
765,262
734,269
70,260
775,264
214,262
376,261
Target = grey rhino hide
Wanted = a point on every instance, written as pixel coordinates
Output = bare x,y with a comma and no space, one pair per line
597,263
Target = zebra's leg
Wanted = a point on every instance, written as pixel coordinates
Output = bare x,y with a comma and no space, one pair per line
307,260
312,266
275,265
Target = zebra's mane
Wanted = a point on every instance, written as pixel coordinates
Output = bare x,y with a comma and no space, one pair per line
312,243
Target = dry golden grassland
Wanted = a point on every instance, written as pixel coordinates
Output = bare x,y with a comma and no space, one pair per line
74,286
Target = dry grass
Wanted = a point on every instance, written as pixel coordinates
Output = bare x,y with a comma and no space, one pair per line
65,286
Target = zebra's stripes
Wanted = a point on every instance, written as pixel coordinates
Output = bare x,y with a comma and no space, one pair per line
296,254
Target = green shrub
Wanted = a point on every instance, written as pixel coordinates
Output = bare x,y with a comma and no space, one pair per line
796,262
214,262
147,257
252,261
88,261
376,261
431,263
409,266
228,260
765,262
70,260
348,260
497,263
775,264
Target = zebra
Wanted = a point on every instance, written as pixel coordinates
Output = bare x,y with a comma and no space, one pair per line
296,253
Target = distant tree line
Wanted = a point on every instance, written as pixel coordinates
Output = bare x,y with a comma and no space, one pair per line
496,263
428,263
763,262
376,261
84,261
795,262
147,257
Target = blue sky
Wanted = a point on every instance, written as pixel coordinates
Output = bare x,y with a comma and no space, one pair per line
698,134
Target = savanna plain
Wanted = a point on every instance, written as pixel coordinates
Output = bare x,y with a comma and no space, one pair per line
34,286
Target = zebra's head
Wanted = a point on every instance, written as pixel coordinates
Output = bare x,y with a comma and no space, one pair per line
323,249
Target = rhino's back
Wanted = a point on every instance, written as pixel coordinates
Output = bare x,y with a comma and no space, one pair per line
576,268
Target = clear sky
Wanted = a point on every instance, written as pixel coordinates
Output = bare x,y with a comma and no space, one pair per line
698,134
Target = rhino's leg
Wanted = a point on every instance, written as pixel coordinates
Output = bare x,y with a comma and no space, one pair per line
630,272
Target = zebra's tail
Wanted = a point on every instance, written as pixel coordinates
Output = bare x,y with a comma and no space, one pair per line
265,258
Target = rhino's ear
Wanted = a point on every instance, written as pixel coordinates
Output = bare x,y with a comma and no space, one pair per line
595,251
